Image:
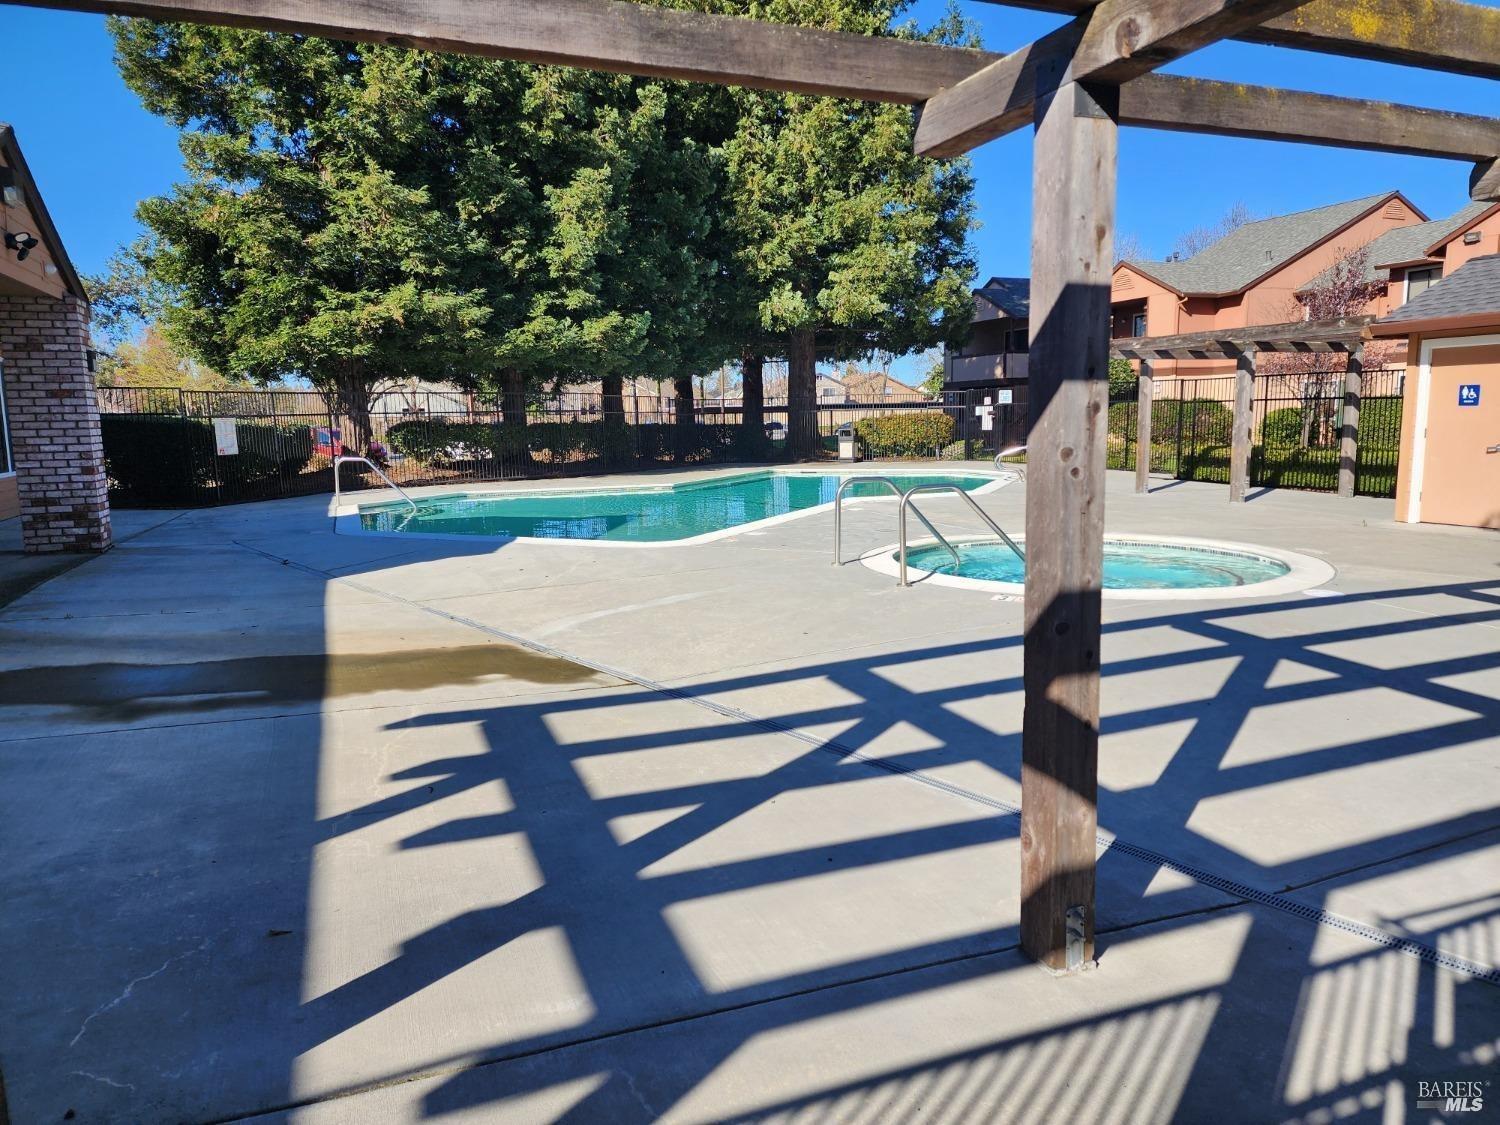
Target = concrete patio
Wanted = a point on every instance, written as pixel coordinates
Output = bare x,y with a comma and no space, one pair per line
294,829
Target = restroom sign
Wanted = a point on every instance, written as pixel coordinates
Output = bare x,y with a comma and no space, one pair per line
1468,394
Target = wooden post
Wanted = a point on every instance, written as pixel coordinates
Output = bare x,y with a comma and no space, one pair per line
1144,397
1349,424
1073,191
1244,423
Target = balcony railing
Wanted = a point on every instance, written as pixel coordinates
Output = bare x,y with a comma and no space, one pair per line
981,368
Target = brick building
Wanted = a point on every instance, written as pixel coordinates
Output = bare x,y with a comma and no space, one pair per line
51,461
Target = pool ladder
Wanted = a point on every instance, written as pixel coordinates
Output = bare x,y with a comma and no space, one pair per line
379,472
908,505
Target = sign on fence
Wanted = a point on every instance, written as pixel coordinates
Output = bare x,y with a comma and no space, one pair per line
226,437
327,442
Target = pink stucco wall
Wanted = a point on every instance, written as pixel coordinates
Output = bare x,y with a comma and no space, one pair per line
1271,300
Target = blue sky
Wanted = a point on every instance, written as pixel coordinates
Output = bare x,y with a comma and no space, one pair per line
95,151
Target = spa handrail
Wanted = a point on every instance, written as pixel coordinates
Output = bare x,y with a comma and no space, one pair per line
906,502
1018,471
339,461
838,514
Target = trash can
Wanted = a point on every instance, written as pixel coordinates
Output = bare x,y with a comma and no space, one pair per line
848,446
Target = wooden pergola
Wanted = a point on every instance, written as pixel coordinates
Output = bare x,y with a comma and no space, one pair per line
1075,87
1345,336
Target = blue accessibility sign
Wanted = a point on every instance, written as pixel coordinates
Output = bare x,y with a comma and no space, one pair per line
1468,394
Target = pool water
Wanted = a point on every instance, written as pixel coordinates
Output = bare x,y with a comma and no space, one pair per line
1128,565
641,515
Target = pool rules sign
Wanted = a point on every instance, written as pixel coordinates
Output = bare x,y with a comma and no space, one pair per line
226,439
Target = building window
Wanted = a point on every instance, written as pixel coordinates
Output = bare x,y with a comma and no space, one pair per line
1419,281
1138,324
6,465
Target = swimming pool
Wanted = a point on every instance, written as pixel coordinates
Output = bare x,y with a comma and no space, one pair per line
656,514
1143,567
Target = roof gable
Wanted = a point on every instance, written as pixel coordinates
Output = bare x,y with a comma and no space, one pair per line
1472,290
1009,296
1251,252
46,231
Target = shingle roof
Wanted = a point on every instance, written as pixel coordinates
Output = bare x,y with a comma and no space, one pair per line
1011,295
1410,244
1472,289
1255,249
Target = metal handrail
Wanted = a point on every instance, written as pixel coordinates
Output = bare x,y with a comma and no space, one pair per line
906,502
1018,471
838,514
379,472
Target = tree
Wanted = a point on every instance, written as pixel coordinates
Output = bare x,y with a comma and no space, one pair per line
153,360
1201,238
1130,247
936,376
851,242
1344,289
345,217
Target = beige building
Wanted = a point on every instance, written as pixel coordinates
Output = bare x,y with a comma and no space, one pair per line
1450,419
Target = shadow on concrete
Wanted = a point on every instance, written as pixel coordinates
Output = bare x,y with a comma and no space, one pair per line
1194,1035
1296,1029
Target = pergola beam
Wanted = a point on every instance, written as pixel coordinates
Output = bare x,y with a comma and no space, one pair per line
1445,35
609,35
1199,105
1109,44
1339,335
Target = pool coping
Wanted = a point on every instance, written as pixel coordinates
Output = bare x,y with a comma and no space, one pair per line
346,514
1304,571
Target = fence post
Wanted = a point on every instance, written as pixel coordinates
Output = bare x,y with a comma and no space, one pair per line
1144,395
1244,422
1349,427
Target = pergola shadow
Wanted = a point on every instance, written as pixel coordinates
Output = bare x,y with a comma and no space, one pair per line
622,916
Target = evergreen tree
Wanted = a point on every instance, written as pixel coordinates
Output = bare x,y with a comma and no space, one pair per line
852,243
345,217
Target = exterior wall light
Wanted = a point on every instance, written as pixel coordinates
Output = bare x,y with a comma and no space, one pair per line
23,244
10,191
1472,237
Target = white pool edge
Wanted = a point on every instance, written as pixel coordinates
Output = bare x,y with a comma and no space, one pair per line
346,514
1304,572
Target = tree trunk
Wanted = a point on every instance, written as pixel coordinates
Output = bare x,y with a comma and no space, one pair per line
802,394
617,446
510,439
513,397
685,421
753,404
351,403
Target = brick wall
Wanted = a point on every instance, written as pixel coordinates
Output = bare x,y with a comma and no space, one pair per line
54,424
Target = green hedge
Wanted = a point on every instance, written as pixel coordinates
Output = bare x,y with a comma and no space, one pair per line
437,442
914,434
165,460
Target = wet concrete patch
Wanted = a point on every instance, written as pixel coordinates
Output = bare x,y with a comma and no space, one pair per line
119,691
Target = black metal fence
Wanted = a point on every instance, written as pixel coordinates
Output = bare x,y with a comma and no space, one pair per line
166,447
1295,432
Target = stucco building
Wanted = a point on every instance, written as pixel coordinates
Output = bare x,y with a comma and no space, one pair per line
1450,418
1259,273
